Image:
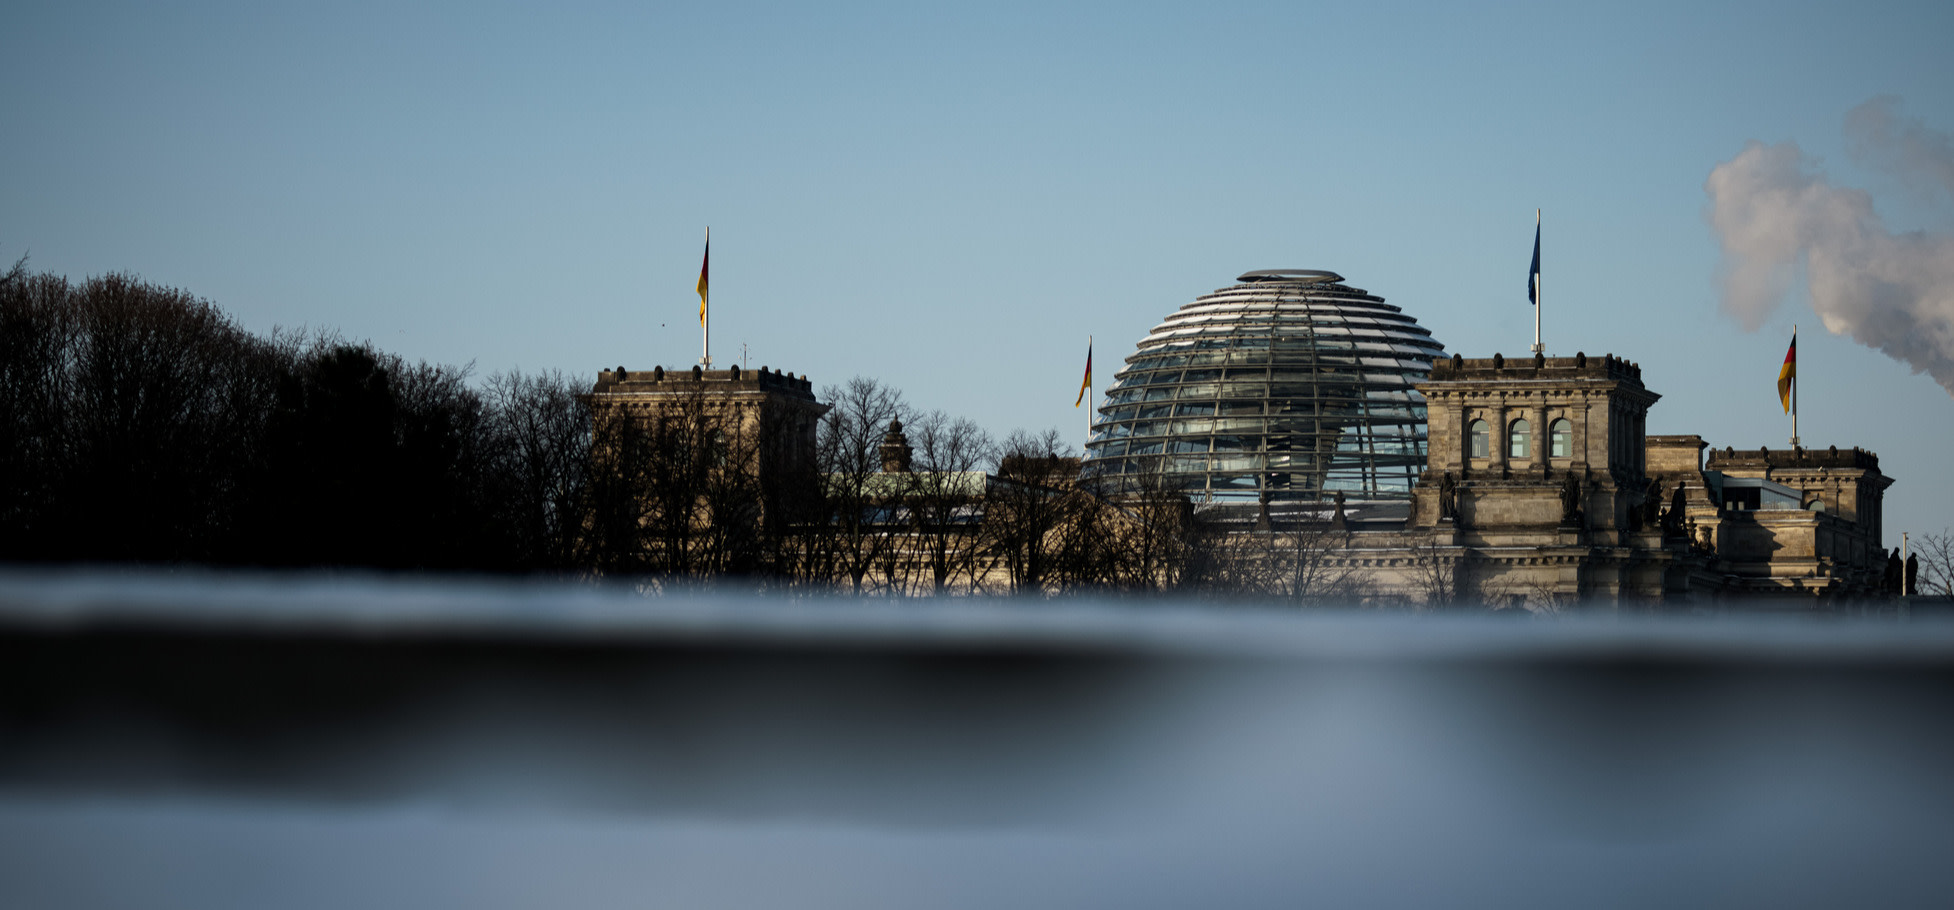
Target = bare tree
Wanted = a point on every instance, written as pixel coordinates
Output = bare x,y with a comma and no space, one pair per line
1313,570
1936,555
1035,494
943,498
38,332
1291,553
1160,539
1531,595
1434,576
134,407
541,440
855,539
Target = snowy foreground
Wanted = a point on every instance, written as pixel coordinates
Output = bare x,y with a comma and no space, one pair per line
254,741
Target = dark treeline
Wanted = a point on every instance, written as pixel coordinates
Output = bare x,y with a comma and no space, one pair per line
139,424
142,425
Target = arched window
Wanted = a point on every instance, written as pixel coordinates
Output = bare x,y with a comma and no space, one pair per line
1481,439
1560,438
1519,443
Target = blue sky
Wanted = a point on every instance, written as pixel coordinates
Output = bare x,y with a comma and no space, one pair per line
949,199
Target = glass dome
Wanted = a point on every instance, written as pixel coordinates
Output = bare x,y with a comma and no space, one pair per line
1289,383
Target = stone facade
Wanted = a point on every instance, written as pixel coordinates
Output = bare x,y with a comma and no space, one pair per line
1546,466
759,422
1830,543
1542,486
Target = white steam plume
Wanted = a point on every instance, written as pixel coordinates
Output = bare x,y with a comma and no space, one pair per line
1907,149
1774,212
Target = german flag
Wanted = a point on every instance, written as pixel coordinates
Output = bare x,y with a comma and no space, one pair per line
1087,384
1788,374
702,277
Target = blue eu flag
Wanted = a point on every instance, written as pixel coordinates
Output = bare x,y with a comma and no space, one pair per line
1533,274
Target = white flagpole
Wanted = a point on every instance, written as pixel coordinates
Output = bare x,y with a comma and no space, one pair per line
1538,296
1794,383
1082,448
705,306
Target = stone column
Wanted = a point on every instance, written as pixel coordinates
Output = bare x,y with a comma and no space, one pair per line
1583,407
1539,441
1496,443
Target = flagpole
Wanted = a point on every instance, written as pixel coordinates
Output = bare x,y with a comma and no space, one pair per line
1539,284
1794,387
705,311
1082,446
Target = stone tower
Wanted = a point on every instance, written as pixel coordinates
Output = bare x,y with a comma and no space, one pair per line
758,421
1551,444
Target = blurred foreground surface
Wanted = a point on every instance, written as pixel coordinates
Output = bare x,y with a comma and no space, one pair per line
238,741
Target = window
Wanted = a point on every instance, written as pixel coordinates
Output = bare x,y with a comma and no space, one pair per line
1480,434
1560,438
1518,441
